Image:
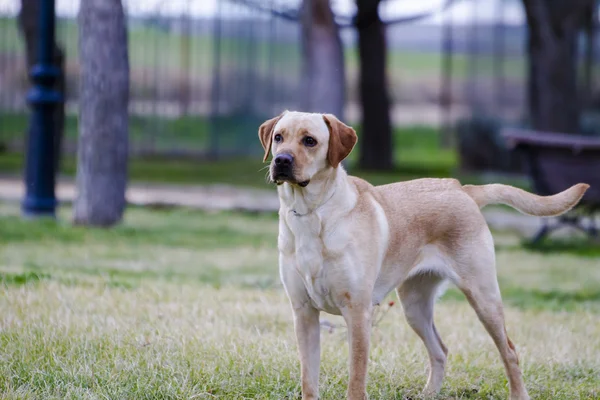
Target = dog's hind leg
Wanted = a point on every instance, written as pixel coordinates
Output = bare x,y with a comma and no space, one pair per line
477,280
417,296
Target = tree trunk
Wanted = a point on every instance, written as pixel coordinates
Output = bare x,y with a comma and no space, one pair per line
28,25
589,57
323,79
103,113
376,150
554,27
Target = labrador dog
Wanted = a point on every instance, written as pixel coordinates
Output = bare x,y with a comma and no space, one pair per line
345,244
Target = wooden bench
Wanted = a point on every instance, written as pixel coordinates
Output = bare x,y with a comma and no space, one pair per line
556,161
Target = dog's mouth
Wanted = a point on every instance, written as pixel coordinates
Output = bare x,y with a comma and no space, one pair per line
280,177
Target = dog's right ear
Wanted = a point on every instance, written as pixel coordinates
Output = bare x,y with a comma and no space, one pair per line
265,134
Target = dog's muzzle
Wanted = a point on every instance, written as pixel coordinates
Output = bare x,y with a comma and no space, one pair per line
283,170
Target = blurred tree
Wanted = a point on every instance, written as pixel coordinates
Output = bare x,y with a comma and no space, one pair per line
376,142
28,25
103,113
323,79
554,28
589,55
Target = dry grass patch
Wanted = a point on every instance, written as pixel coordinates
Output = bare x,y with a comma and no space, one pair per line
194,341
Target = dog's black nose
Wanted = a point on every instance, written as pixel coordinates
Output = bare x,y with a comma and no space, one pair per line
284,160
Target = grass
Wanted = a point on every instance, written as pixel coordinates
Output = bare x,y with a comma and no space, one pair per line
186,304
417,153
587,247
243,171
185,132
416,150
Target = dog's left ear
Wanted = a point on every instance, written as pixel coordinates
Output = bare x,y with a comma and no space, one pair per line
342,139
265,134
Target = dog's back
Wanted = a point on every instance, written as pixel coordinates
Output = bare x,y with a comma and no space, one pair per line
429,210
424,210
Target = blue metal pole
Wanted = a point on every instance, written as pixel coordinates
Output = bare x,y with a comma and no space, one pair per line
43,99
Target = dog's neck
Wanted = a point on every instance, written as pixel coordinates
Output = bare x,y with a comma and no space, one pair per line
323,187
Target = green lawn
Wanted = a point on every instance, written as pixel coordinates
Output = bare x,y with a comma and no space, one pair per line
241,171
186,132
186,304
417,152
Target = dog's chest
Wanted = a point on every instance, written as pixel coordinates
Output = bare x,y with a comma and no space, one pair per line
307,247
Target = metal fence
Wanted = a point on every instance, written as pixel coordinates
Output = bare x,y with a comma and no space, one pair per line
199,84
205,74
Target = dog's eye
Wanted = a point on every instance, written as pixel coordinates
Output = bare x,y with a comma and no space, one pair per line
309,141
278,138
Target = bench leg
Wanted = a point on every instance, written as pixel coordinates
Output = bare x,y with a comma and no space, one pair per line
593,230
574,221
541,233
590,230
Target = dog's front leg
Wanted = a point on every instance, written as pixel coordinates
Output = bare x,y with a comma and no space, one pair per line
358,320
306,324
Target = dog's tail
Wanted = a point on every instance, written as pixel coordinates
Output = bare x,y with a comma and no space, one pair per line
525,202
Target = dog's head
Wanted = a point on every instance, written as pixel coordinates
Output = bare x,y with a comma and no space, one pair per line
304,144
